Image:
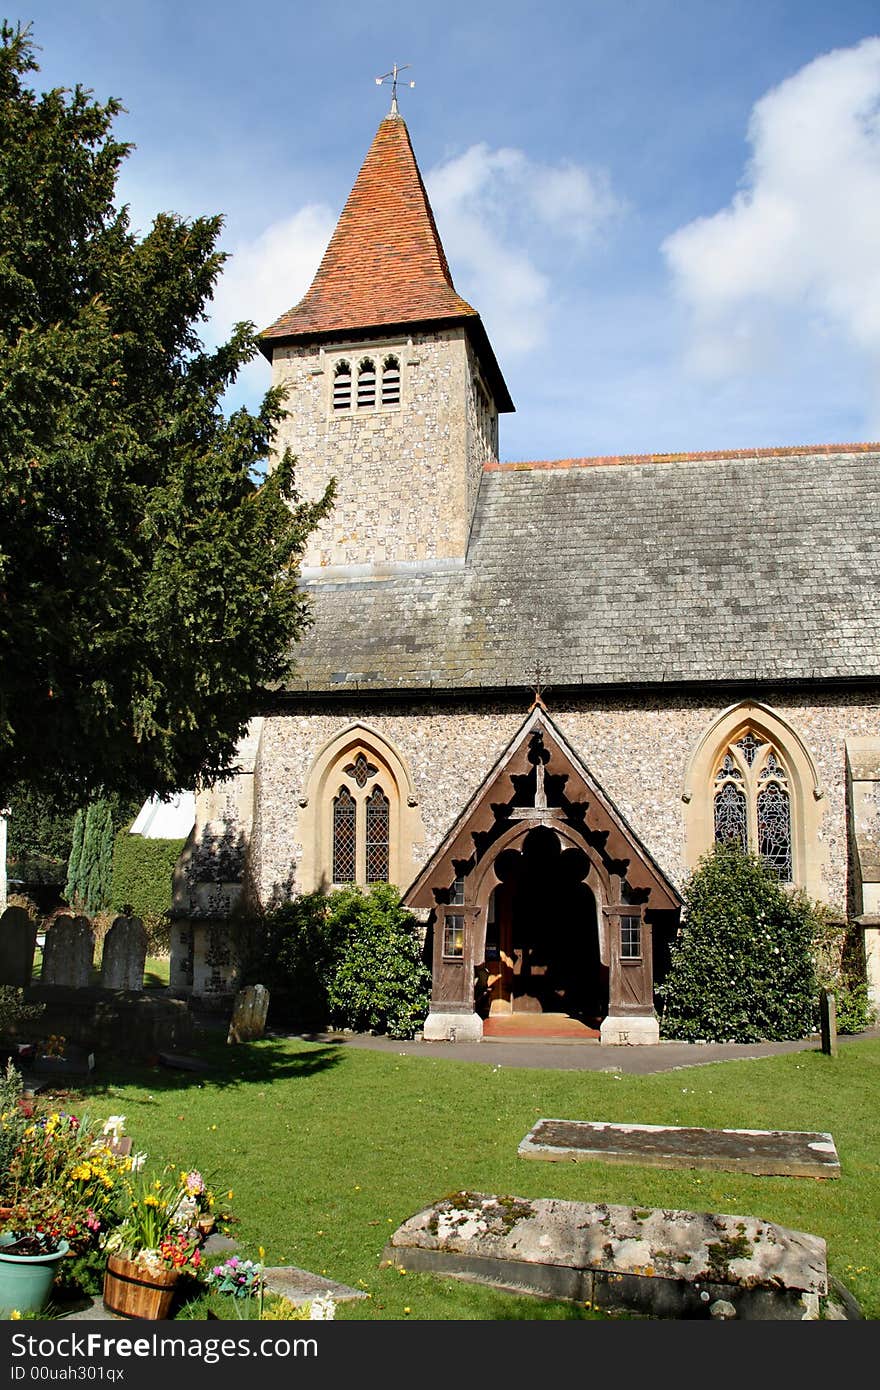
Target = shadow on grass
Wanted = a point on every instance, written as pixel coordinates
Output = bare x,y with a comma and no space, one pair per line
223,1068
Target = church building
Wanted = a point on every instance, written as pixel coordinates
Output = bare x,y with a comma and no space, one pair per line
535,693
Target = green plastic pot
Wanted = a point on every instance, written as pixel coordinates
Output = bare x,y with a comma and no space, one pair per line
26,1280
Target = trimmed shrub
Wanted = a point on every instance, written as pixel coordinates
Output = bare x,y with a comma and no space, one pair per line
380,982
347,958
742,969
142,872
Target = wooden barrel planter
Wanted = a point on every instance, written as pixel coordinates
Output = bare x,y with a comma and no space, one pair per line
134,1292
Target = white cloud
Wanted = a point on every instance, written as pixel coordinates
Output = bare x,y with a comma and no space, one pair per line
265,277
793,259
487,203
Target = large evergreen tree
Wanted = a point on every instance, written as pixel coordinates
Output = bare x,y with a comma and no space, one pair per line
148,585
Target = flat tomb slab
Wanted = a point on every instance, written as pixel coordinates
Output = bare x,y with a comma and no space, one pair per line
665,1263
767,1152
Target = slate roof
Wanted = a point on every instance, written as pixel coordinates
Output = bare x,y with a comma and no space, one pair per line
749,565
385,266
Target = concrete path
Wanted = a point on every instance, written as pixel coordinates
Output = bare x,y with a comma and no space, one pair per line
562,1055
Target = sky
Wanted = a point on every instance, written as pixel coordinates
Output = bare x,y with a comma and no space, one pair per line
667,212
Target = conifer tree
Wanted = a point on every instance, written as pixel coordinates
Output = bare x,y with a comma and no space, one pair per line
71,887
148,583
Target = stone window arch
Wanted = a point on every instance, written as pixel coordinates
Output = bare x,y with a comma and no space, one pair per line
391,380
359,820
342,385
752,782
366,384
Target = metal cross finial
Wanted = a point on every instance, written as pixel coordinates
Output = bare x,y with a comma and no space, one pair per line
392,76
539,676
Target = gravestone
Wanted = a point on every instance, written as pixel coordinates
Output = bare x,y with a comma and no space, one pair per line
125,952
828,1022
68,953
792,1153
249,1014
18,939
652,1261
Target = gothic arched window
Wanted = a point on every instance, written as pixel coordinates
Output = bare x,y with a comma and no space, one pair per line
376,839
752,802
344,837
366,388
363,802
391,381
342,386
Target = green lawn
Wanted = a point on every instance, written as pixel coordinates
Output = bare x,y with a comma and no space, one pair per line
328,1149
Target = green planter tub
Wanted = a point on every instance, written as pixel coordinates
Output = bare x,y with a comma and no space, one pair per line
26,1280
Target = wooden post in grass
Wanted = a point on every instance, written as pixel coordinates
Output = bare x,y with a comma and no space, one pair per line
828,1022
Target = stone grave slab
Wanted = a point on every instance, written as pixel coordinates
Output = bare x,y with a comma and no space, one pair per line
664,1264
299,1286
774,1152
249,1012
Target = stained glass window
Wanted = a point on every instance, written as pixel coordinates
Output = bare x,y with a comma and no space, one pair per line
731,816
344,837
774,829
752,804
377,837
749,745
361,770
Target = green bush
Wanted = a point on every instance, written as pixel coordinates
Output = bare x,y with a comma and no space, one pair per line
347,958
853,1008
840,968
380,982
142,871
742,969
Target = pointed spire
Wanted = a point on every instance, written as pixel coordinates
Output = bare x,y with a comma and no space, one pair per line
385,263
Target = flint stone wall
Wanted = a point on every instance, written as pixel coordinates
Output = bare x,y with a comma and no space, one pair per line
637,749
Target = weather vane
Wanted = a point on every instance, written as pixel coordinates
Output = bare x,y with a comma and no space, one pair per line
392,77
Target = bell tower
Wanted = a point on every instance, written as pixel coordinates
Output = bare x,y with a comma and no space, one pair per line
392,384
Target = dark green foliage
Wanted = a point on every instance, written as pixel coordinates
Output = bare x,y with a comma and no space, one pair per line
38,836
149,583
854,1011
90,869
76,849
347,958
142,871
742,969
380,982
839,953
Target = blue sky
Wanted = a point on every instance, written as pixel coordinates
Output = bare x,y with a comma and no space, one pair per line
667,213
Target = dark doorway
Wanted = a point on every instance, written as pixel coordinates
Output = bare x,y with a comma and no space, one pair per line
542,939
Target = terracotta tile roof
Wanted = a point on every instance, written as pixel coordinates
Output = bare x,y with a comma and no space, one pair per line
385,263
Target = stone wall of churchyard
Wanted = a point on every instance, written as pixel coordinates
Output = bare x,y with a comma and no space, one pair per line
638,750
401,471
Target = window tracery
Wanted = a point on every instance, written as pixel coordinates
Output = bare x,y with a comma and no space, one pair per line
752,802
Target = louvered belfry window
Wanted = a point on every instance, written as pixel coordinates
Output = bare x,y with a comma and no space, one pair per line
366,386
344,837
377,824
752,803
342,386
391,381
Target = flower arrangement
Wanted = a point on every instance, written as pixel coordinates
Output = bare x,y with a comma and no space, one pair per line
240,1278
60,1176
155,1227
